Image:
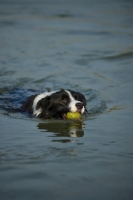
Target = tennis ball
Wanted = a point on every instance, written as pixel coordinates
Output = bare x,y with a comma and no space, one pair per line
73,115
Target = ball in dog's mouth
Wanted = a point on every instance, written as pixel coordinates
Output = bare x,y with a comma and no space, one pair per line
73,115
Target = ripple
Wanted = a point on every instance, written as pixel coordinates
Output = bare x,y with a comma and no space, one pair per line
5,23
124,55
96,104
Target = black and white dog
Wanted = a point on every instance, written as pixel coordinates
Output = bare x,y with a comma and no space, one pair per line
55,104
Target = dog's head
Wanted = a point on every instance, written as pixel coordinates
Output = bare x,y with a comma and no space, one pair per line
57,104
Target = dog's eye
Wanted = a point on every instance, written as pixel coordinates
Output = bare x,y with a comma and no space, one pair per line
64,101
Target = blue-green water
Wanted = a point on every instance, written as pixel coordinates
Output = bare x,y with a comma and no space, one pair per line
81,45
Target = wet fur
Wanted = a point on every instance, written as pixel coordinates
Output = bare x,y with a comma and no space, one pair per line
55,104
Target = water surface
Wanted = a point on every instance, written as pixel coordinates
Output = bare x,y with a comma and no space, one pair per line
81,45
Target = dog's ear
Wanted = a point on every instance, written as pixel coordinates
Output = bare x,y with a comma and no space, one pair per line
43,103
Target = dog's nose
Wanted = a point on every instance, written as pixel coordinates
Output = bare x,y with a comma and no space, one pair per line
79,105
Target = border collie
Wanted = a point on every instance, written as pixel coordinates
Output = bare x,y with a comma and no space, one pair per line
55,104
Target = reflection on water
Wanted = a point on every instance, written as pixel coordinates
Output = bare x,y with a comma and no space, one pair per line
63,129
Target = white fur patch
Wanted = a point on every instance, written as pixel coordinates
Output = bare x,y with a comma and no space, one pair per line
36,112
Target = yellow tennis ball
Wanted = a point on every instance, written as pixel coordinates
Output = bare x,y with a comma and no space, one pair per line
73,115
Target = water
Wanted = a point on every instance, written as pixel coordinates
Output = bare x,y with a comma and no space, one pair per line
85,46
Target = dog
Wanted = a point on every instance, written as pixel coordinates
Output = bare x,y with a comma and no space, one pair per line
55,104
